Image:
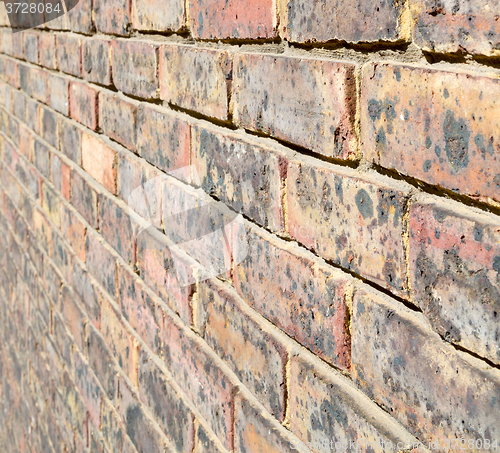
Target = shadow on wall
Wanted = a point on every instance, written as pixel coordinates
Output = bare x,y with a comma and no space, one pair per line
25,14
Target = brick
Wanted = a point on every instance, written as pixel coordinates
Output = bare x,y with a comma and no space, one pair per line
235,19
19,105
358,21
118,118
96,60
49,127
6,42
196,79
83,104
461,26
71,140
437,392
304,298
68,53
145,435
59,94
159,16
322,216
62,255
101,263
206,442
11,73
47,50
113,17
31,46
84,198
18,46
32,115
74,316
434,125
140,310
79,16
326,408
253,354
50,204
319,115
162,139
89,387
454,273
87,293
99,161
60,175
166,405
116,227
255,431
225,162
112,428
41,158
135,68
201,378
39,89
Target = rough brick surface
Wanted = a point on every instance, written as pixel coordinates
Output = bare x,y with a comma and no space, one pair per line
68,53
158,16
117,119
436,126
83,102
113,17
96,61
99,160
196,79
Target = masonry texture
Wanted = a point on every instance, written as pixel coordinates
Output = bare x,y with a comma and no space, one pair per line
251,227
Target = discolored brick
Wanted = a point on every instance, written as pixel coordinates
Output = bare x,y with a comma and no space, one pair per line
96,60
68,53
117,119
83,104
100,161
159,15
113,17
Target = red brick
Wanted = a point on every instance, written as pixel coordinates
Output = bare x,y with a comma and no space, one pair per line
74,316
461,26
304,101
39,88
159,15
166,404
96,60
234,19
196,79
59,94
41,158
113,17
257,358
118,118
50,204
88,294
101,263
99,161
327,408
31,46
334,20
256,431
71,140
433,125
60,175
140,310
454,273
79,16
201,378
304,298
84,198
435,391
49,126
83,104
73,229
135,68
352,219
162,139
243,174
68,53
89,387
47,50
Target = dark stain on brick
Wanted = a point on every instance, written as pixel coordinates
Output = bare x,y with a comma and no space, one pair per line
364,203
374,109
456,136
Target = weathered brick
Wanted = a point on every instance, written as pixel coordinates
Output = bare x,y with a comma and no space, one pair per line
60,175
158,15
68,53
201,378
436,126
304,298
235,19
334,20
304,101
89,387
83,104
87,293
245,175
47,50
84,198
99,161
112,428
11,73
96,60
323,217
79,16
162,139
39,89
205,441
196,79
49,126
59,94
326,408
437,392
167,406
256,432
41,158
32,115
235,337
454,273
460,26
74,316
50,204
101,263
135,68
112,17
71,140
31,46
73,230
118,119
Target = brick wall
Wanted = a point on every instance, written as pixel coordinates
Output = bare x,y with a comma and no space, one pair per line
343,160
